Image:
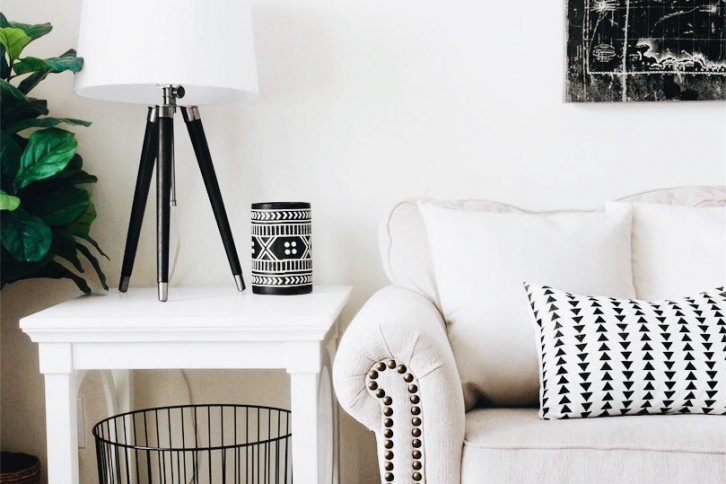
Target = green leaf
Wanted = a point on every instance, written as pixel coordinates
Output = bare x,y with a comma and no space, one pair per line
15,111
12,270
33,31
4,67
65,247
9,92
95,245
81,178
46,123
82,225
8,202
72,173
48,152
15,106
70,176
25,236
30,64
94,262
14,40
74,166
27,84
10,152
61,206
54,270
54,64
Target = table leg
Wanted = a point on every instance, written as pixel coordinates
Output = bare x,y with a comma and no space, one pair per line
309,428
61,428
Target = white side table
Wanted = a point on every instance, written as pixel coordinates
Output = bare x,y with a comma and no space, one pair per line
198,328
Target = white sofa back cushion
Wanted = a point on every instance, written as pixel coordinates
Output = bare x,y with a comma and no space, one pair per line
405,250
480,261
676,250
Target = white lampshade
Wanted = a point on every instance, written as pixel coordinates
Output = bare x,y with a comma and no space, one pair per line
131,47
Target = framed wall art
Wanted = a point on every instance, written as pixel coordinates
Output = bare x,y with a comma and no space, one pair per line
646,50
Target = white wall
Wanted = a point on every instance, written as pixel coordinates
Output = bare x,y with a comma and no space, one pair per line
364,103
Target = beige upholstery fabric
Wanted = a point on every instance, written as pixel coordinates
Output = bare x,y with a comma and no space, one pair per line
403,325
515,446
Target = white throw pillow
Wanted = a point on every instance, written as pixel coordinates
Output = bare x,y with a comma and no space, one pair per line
480,260
603,356
676,249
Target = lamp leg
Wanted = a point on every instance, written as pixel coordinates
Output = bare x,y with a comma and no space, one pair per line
163,197
141,194
204,159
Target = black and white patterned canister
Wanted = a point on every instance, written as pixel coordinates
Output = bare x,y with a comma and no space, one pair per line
282,260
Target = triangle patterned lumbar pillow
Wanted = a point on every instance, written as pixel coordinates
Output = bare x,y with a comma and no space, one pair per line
601,356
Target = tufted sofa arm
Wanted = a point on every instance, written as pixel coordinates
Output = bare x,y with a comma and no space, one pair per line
395,373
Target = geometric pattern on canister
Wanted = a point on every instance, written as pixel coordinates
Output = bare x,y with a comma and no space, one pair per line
281,248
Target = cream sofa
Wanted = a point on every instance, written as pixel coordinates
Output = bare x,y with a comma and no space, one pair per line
396,374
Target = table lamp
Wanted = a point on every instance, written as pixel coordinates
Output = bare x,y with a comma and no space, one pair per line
168,54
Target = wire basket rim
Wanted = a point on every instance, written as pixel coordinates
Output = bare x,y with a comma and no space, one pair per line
98,438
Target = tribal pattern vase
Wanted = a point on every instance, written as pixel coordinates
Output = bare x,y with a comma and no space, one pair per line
281,252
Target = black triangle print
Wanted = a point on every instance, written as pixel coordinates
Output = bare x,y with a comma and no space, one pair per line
644,354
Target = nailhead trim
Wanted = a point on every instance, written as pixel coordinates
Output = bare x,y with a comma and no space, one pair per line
416,421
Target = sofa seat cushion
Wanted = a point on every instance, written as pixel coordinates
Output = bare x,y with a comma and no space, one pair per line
515,445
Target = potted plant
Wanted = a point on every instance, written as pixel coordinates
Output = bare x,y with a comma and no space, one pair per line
45,211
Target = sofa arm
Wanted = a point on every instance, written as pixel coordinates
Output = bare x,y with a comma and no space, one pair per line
395,373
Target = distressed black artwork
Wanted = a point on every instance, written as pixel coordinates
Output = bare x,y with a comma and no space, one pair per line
646,50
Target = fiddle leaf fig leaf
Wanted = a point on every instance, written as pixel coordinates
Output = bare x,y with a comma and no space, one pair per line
62,206
14,41
95,245
54,270
46,123
64,246
81,225
15,270
48,152
54,64
27,84
33,31
10,92
94,263
30,64
4,67
26,237
8,202
10,152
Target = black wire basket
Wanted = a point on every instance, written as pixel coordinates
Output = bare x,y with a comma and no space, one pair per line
199,444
